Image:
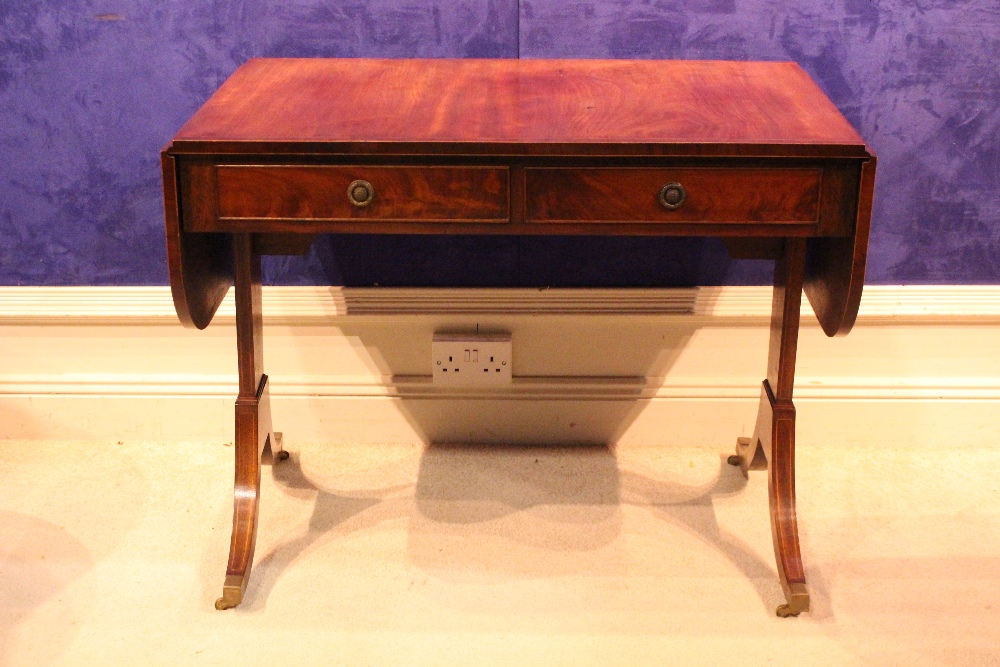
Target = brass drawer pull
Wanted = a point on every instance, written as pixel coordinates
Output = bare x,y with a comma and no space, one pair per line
672,195
361,193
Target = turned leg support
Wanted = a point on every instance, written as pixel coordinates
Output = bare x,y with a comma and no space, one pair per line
772,446
254,437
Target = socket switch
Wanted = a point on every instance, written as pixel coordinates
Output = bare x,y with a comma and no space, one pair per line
471,359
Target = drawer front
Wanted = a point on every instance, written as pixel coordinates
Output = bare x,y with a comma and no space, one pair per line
710,195
453,194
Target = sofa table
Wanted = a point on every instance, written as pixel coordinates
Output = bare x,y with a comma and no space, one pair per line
751,152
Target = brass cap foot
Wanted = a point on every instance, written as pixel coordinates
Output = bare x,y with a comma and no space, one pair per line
232,592
798,601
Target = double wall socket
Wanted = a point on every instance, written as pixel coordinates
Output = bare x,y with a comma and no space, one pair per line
471,359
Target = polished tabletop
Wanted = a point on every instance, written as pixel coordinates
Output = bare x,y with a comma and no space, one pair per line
521,106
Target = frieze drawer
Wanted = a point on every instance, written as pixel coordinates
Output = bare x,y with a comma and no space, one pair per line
690,194
354,193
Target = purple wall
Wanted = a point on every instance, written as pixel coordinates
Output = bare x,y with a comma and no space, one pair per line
90,90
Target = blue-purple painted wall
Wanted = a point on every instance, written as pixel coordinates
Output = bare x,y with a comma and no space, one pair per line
90,90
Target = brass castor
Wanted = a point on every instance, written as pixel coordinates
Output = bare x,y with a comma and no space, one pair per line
282,455
785,611
733,460
232,592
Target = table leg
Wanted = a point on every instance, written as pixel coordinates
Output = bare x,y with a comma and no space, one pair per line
773,443
254,437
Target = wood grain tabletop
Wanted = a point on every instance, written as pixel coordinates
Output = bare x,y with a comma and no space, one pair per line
517,106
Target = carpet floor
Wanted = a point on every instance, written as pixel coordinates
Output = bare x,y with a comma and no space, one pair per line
112,553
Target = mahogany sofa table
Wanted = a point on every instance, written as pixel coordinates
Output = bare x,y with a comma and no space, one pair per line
752,152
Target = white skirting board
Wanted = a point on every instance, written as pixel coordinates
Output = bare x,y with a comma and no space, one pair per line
615,366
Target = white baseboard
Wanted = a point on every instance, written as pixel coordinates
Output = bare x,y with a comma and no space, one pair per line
625,366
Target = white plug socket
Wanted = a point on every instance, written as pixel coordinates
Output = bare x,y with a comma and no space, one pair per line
471,359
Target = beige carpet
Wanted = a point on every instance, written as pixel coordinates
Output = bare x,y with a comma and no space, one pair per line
113,553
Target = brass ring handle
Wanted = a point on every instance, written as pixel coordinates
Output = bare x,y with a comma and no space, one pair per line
361,193
672,195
